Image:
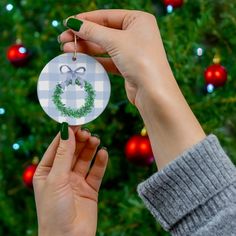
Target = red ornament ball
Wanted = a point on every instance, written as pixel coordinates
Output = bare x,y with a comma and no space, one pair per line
215,75
18,55
138,150
174,3
28,175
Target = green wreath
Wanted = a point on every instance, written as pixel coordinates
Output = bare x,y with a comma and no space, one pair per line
71,112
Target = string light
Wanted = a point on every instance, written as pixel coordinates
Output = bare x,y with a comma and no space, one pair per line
169,8
22,50
55,23
210,88
2,111
199,52
9,7
16,146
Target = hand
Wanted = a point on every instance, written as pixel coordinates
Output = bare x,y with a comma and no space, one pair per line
133,42
131,39
66,192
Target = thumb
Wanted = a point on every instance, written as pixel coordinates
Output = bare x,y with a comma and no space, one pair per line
93,32
64,155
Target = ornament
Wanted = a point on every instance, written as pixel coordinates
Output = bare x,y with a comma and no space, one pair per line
144,131
18,55
215,75
138,150
28,175
173,3
73,88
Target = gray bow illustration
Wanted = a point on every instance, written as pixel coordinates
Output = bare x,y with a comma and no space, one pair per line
72,76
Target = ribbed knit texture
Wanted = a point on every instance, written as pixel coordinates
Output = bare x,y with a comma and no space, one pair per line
196,193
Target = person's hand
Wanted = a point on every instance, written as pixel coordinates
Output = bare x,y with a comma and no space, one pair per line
133,42
130,38
66,192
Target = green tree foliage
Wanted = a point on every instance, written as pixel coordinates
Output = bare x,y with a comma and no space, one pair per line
202,23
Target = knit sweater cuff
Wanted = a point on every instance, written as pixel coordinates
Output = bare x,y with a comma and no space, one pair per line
186,188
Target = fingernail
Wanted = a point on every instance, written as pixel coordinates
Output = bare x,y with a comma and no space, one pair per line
61,46
64,22
104,148
74,24
58,39
96,135
85,129
64,131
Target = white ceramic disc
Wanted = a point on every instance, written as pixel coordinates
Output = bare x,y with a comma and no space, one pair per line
73,91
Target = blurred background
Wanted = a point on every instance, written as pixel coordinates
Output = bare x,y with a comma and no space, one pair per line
200,40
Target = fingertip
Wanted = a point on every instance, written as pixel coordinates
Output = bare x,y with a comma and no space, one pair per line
66,36
82,135
64,131
102,156
58,39
67,133
62,47
104,148
95,140
64,21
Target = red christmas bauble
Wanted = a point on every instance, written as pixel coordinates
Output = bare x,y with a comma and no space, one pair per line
138,150
174,3
28,175
215,75
18,55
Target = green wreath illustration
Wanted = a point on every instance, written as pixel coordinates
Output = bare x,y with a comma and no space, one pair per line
73,78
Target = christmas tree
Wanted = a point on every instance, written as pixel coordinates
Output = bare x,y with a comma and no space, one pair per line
200,42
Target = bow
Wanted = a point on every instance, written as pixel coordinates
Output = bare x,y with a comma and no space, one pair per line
72,76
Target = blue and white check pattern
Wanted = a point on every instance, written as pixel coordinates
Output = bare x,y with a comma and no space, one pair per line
73,96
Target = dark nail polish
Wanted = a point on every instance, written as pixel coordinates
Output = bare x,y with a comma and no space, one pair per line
62,46
64,131
64,22
96,135
74,24
58,39
104,148
85,129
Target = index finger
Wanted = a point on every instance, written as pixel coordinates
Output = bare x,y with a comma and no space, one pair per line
49,155
109,18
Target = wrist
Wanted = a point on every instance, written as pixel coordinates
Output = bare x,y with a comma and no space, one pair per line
171,125
156,92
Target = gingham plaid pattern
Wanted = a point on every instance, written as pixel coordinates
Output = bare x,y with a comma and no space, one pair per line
73,96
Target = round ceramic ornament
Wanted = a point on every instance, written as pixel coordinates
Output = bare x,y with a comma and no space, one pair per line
72,89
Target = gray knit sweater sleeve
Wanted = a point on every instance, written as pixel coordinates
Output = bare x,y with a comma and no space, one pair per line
196,193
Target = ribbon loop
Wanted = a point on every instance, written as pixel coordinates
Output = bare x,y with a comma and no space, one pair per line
72,76
65,69
80,70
